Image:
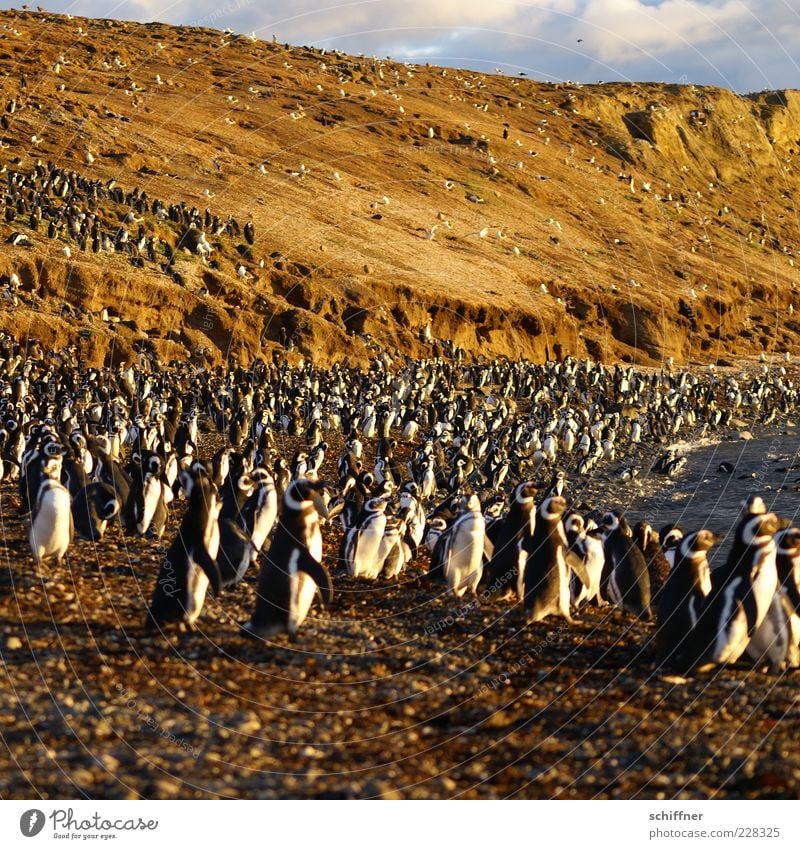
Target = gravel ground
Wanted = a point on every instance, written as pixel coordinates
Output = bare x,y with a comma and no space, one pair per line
396,691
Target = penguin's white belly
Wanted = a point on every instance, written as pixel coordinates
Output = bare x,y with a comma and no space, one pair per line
365,562
302,589
464,567
49,533
732,638
152,495
264,521
765,584
196,587
771,641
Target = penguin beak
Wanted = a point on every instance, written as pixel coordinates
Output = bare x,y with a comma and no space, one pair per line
319,502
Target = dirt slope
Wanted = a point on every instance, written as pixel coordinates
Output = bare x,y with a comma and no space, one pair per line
622,221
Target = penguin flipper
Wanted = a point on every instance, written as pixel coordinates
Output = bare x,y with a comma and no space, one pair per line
578,566
319,574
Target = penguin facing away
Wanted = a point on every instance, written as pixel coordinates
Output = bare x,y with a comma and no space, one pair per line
292,572
546,573
190,565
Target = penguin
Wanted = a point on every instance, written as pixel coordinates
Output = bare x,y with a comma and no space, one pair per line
787,562
92,509
236,553
190,565
546,573
145,513
625,581
741,593
260,510
51,529
657,565
361,544
292,572
458,553
669,536
507,563
681,598
585,558
396,547
776,642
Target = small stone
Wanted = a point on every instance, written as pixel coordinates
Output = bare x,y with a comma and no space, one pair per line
13,643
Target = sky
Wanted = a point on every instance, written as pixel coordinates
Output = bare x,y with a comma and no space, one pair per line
746,45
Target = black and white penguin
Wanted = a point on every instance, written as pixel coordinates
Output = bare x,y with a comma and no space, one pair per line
787,562
145,512
508,559
458,553
546,573
191,561
776,642
361,544
625,581
292,572
742,590
51,528
681,598
669,536
260,510
657,565
585,558
92,509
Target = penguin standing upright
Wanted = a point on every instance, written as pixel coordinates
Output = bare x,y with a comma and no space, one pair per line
741,593
681,598
508,559
546,573
191,561
626,581
585,558
92,509
776,641
458,553
51,528
260,510
361,544
292,571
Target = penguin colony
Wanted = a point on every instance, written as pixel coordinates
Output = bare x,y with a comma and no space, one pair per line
480,489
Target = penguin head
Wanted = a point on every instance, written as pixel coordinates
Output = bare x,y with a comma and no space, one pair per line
573,523
525,492
758,529
614,520
302,493
552,508
695,545
788,541
754,505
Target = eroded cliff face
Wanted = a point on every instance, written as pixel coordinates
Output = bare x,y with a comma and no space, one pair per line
622,221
